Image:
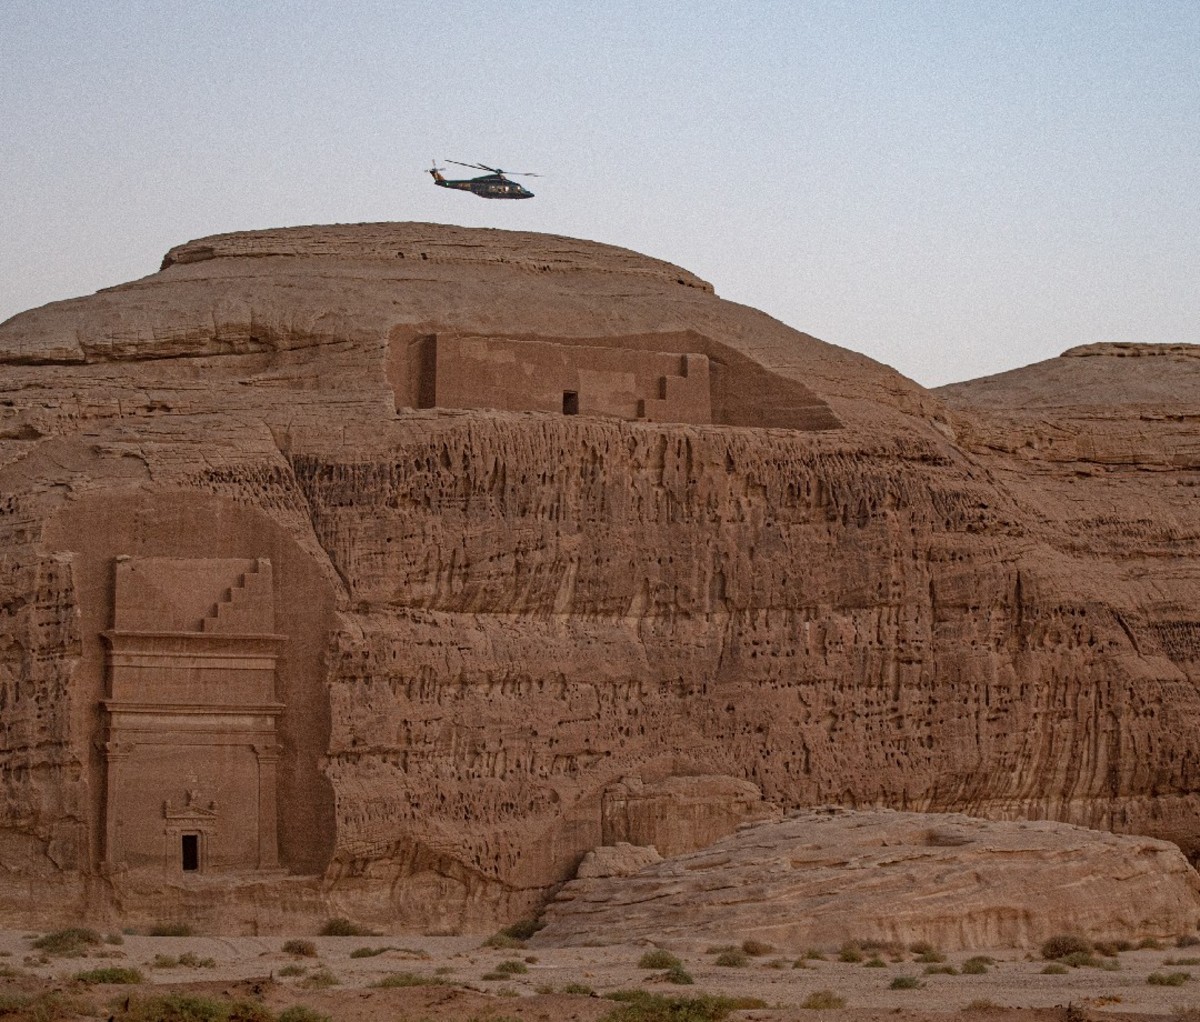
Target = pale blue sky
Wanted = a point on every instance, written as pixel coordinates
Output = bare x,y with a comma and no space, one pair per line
954,189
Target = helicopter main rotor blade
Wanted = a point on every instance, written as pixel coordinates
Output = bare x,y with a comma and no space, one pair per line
495,170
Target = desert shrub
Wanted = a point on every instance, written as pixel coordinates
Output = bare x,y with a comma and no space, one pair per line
821,1000
8,972
302,1013
1187,940
67,943
756,948
1078,959
941,970
191,960
921,947
109,974
777,963
189,1008
905,983
523,929
1149,944
512,968
319,980
50,1006
1182,961
164,962
879,947
408,979
976,966
981,1004
814,955
341,927
851,951
801,963
172,930
735,959
658,959
1168,979
875,963
443,970
293,970
1055,969
577,988
368,952
504,942
114,938
929,956
1065,944
300,948
11,1004
493,977
678,975
640,1006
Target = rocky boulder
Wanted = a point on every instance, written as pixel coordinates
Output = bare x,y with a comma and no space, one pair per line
823,877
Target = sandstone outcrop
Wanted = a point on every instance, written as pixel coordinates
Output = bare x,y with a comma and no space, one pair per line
821,878
557,541
619,860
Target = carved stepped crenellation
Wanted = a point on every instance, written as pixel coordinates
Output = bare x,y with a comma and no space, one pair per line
241,608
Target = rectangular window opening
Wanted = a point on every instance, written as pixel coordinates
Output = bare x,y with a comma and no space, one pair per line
191,852
570,402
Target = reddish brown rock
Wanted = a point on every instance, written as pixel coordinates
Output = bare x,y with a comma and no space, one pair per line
821,878
619,860
692,543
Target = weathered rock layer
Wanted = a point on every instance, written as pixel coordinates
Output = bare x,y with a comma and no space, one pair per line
500,636
821,878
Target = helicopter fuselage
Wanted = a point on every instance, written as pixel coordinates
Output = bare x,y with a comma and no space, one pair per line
490,186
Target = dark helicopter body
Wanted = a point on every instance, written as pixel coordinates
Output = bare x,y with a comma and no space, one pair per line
492,185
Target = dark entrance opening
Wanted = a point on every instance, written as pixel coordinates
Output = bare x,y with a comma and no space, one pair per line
570,402
191,852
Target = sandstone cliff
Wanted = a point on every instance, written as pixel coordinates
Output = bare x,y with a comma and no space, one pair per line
749,558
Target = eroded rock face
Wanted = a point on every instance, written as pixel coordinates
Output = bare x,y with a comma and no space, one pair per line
739,552
820,878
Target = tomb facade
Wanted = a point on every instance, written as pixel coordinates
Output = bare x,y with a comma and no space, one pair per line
190,745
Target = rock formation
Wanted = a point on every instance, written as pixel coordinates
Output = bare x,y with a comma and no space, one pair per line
821,878
557,543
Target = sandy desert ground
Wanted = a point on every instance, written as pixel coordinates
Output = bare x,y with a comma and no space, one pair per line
333,982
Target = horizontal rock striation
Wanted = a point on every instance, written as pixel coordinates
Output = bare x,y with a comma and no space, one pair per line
821,878
512,636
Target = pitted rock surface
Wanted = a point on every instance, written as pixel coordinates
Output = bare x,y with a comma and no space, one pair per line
827,585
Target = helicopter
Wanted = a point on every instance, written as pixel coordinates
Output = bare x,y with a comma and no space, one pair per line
492,185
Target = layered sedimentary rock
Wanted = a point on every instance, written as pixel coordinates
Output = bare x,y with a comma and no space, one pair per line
821,878
564,550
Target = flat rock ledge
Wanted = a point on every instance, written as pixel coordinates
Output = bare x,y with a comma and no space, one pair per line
825,876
